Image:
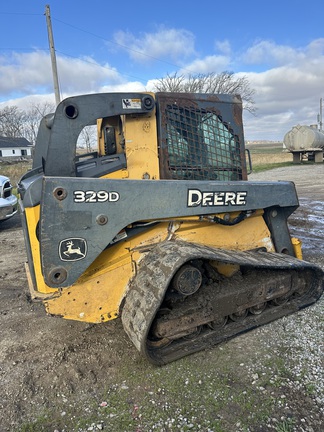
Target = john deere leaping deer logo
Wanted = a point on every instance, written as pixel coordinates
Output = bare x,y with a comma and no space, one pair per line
73,249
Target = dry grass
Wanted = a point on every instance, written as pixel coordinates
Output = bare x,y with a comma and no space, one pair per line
14,170
265,159
268,156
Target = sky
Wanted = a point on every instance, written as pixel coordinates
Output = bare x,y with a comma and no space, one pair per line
104,46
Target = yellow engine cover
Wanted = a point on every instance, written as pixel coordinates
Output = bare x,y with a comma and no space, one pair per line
98,294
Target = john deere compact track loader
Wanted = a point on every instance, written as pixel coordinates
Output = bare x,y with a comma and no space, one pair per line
159,225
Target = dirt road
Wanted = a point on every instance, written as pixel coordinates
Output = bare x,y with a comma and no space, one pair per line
58,375
308,221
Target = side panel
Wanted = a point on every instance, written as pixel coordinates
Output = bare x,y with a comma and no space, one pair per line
90,216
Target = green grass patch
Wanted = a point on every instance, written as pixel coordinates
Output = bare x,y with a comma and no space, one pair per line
266,167
286,426
265,150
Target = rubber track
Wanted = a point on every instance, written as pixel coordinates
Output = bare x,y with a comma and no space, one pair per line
148,288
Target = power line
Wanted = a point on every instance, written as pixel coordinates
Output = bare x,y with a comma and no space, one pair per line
121,45
98,37
20,13
77,58
23,49
101,66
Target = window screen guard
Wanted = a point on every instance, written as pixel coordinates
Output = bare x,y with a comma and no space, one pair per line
197,142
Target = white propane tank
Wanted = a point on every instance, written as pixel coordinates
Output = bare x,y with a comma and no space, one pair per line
301,138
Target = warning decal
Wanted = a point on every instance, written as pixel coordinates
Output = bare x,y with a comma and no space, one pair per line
132,103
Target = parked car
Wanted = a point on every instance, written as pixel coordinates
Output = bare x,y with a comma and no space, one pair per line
8,201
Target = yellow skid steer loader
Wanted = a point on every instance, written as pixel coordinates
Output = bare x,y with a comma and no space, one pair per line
159,225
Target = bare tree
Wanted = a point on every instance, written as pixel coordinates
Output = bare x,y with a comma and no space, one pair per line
172,83
225,82
88,138
12,122
17,123
33,118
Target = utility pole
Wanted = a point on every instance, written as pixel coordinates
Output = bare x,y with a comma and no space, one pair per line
53,56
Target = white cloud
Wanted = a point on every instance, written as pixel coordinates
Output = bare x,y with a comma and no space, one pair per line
288,91
270,53
223,46
27,102
29,73
267,52
134,86
176,44
207,64
284,96
21,73
85,74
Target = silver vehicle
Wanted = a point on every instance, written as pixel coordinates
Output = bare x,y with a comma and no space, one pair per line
8,201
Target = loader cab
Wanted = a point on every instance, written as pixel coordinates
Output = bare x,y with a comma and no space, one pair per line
175,136
195,137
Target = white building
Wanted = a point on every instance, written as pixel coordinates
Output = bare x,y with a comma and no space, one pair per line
14,148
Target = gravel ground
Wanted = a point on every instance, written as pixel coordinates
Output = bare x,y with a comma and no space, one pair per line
60,376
